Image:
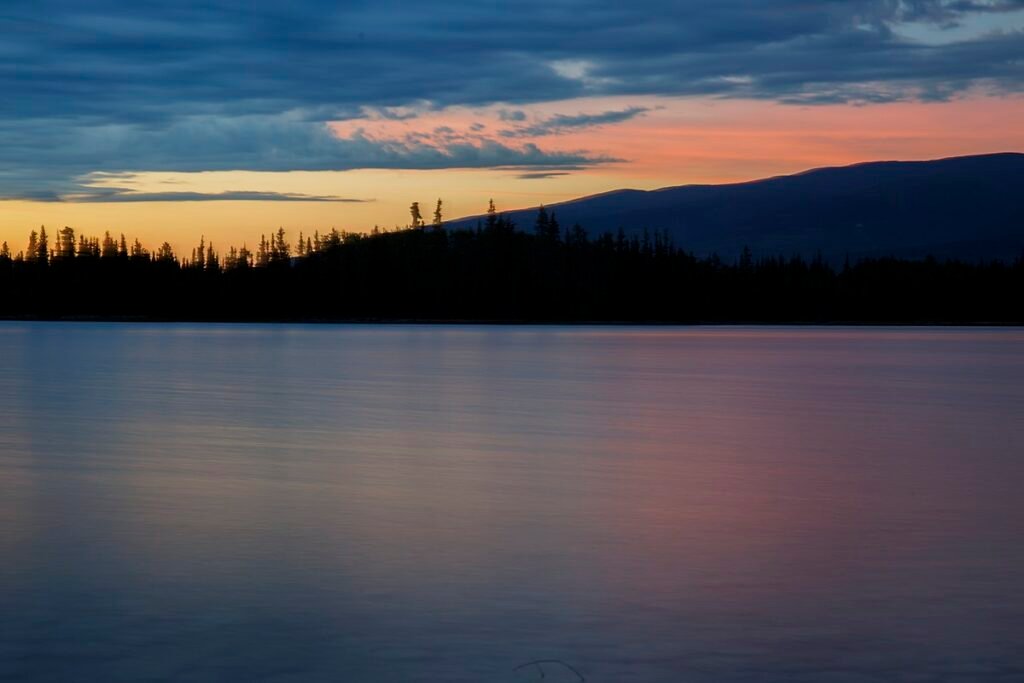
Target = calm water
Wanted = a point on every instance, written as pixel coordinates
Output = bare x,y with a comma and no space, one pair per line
322,503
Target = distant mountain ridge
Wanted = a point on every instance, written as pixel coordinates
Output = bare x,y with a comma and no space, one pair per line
969,207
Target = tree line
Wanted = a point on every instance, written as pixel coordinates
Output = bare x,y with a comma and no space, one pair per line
495,271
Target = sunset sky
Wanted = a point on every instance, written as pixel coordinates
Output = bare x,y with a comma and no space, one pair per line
228,119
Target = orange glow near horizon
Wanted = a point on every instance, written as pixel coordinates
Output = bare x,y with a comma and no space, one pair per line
677,141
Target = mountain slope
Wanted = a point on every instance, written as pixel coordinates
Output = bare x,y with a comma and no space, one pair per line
967,207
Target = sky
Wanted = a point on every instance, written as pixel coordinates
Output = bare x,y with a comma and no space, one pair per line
228,119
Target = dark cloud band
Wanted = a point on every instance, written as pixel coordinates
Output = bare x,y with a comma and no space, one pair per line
108,85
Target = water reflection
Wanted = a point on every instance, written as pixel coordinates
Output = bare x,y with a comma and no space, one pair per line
443,503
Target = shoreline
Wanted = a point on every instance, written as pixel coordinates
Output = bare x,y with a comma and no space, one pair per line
485,322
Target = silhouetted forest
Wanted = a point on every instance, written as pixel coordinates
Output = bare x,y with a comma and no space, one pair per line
494,272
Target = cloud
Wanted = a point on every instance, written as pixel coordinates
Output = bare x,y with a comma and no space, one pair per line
388,113
541,175
561,123
117,195
511,115
106,86
66,166
155,61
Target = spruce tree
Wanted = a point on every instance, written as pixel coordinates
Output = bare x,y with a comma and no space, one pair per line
109,249
492,216
438,218
66,243
542,226
43,248
165,254
32,252
417,217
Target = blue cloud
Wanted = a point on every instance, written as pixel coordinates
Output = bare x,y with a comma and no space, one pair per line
511,115
541,175
120,195
560,123
112,86
73,152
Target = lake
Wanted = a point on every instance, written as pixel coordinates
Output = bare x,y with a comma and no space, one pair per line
446,503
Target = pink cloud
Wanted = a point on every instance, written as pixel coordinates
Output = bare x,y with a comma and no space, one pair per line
708,140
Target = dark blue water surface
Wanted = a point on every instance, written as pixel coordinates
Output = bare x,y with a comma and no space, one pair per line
417,503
